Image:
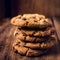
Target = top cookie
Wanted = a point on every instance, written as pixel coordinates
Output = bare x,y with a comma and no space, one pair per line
31,21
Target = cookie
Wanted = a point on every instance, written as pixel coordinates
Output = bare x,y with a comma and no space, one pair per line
43,45
21,50
27,51
35,16
51,42
18,42
27,38
31,22
32,52
35,32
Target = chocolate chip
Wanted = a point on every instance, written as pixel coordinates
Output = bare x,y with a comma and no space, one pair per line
24,19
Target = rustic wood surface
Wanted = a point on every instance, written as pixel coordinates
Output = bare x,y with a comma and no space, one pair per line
7,38
49,8
57,26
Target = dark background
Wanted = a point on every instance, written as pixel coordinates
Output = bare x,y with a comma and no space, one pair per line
10,8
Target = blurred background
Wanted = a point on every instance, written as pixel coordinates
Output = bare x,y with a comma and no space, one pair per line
10,8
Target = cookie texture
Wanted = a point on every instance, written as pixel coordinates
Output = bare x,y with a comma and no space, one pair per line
27,51
36,16
31,21
38,33
31,38
43,45
34,34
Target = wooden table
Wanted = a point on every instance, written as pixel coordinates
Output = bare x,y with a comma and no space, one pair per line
6,40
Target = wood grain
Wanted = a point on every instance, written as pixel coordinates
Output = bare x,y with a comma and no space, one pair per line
57,26
49,8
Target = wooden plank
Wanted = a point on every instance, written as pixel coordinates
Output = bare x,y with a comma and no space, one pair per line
57,26
49,8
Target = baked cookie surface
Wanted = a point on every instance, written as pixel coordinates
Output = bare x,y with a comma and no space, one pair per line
28,38
31,21
43,45
36,32
26,51
33,37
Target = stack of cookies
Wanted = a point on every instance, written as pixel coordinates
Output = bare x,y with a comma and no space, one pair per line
34,34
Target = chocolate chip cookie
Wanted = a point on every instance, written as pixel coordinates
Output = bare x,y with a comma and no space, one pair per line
27,51
34,35
39,33
31,21
25,38
35,16
43,45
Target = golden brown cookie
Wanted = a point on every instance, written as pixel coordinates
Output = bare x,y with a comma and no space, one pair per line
51,42
43,45
31,22
27,51
35,16
32,52
36,32
27,38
